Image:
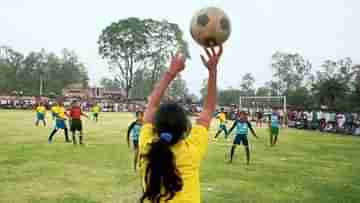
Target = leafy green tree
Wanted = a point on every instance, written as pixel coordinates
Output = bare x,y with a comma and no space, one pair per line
39,70
229,96
163,39
263,91
110,83
289,71
123,44
247,85
332,85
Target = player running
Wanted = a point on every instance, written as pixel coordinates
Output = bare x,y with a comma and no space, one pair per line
221,116
40,114
242,126
134,130
274,125
75,122
54,109
60,123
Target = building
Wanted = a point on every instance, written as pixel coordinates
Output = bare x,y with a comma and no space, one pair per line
93,93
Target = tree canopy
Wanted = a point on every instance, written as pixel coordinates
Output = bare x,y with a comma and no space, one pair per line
24,73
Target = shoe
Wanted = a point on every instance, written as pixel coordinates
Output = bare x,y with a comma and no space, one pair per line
49,141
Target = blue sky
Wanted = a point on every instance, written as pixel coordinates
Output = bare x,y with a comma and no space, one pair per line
319,30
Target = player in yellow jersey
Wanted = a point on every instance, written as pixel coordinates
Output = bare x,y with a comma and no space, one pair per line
170,153
96,110
60,123
222,123
54,110
40,114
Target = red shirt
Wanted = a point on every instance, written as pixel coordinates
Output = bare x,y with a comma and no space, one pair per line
75,112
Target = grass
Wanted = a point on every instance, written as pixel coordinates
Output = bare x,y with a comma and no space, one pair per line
306,166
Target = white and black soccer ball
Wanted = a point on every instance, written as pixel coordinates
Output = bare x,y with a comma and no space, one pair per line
210,27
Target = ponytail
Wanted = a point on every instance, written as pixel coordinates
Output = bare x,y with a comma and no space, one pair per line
162,179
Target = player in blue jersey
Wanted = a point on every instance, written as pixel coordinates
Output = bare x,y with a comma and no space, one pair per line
274,125
134,131
242,126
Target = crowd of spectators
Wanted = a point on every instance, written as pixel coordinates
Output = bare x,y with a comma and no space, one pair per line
325,121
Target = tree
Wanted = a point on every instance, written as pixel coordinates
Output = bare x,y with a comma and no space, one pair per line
247,85
133,44
177,89
163,39
289,71
109,83
229,96
332,85
123,45
39,70
263,91
300,97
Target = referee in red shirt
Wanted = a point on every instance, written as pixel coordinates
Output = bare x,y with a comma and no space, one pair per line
75,122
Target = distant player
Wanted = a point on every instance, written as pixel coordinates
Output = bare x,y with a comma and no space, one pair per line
274,125
221,116
54,109
242,126
60,123
75,122
259,117
134,130
40,114
96,110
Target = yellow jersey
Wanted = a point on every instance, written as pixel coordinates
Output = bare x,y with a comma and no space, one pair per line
222,117
96,109
60,112
54,109
188,155
40,109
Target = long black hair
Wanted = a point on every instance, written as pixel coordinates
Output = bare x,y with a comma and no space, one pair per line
162,178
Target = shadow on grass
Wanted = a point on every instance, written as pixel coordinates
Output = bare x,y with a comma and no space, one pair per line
66,199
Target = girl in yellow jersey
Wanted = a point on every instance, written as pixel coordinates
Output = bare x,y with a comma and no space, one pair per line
222,124
40,114
169,158
60,123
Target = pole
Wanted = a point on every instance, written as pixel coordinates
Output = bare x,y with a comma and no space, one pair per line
41,85
240,104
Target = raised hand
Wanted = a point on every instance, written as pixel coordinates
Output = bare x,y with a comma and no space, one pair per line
177,64
213,58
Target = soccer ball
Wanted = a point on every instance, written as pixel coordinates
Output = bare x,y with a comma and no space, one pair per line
210,27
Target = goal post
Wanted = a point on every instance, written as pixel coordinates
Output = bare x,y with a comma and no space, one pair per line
263,102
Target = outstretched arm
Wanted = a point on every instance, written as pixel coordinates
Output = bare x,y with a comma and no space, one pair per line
251,129
177,65
232,127
210,101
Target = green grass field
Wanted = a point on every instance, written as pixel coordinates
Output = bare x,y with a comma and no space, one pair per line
304,167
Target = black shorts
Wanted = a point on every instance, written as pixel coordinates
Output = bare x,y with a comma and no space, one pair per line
241,139
76,125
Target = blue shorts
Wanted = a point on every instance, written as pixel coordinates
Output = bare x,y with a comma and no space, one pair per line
40,116
241,139
60,124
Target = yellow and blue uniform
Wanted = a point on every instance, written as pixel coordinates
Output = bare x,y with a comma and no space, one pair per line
60,118
54,110
188,155
40,112
222,124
